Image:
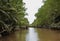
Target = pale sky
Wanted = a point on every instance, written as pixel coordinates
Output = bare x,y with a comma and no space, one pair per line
32,8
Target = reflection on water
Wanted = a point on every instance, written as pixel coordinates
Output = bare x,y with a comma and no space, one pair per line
16,36
48,35
33,34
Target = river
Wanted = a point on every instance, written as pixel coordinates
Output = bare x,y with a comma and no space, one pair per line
33,34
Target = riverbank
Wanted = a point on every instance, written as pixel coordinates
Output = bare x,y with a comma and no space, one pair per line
49,27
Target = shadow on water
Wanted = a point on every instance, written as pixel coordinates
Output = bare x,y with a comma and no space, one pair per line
16,36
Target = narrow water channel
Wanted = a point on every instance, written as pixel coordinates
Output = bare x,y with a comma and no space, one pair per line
33,34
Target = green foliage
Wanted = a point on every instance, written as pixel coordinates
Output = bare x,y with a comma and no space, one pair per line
24,22
12,13
48,12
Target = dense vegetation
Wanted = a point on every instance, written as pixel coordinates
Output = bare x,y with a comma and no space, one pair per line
48,14
12,14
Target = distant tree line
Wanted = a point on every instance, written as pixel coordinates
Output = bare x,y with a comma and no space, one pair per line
48,14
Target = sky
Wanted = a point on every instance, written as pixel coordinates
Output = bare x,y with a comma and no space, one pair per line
32,8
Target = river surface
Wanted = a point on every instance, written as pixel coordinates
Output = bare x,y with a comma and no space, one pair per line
33,34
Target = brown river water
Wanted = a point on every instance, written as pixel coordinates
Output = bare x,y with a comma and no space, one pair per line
33,34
